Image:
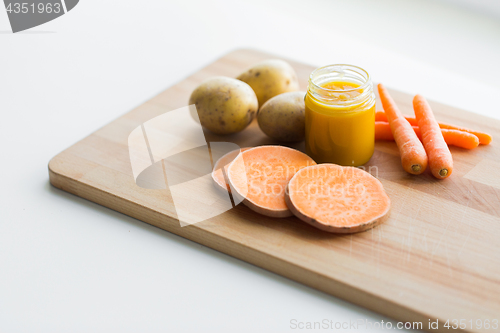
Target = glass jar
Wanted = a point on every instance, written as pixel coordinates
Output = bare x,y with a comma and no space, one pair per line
340,115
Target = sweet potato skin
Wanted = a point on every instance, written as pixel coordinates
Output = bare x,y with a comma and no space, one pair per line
311,218
253,204
263,211
333,229
222,183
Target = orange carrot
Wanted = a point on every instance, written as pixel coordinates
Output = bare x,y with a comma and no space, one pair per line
383,131
381,116
413,155
452,137
440,159
460,139
484,138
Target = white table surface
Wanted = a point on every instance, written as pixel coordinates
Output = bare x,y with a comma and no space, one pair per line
68,265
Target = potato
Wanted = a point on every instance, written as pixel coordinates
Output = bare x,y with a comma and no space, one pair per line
270,78
225,105
283,117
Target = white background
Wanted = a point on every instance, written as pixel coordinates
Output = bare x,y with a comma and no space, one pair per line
68,265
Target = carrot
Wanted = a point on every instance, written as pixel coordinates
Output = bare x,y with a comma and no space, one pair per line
381,116
413,156
219,173
337,199
383,131
484,138
460,139
258,176
452,137
440,159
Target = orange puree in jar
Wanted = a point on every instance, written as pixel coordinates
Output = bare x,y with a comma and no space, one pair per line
340,116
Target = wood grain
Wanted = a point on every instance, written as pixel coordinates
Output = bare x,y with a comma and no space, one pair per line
437,256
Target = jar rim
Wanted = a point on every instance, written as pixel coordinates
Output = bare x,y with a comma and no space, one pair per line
363,86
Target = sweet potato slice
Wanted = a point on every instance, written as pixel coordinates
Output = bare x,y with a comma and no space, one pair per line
223,163
337,199
259,176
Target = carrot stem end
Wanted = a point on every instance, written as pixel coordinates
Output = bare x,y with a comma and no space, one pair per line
416,168
443,172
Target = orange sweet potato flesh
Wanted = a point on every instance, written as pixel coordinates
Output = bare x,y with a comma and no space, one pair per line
222,164
259,177
337,199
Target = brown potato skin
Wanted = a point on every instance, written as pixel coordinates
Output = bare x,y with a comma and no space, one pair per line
283,117
225,105
270,78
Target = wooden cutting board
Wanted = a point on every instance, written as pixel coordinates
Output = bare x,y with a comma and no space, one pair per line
437,257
